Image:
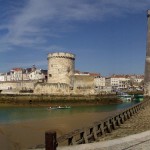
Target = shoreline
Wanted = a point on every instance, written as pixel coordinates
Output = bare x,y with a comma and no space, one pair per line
52,100
27,134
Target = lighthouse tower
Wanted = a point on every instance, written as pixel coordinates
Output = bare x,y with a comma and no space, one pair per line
147,61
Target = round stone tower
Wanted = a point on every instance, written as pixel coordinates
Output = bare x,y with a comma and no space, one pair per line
61,67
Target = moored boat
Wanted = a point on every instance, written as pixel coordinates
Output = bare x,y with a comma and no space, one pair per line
138,98
126,97
59,107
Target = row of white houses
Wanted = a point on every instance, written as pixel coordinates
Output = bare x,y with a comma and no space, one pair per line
119,81
20,74
113,82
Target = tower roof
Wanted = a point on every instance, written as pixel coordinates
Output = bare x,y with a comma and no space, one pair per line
61,55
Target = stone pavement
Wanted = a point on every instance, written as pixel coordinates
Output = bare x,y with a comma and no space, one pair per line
139,141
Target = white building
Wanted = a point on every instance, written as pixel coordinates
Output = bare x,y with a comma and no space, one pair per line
20,74
7,76
38,74
137,78
2,76
100,85
16,74
99,82
118,81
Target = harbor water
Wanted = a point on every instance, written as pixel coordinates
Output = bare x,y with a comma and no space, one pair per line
19,114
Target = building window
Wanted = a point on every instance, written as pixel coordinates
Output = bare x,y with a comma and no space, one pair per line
50,75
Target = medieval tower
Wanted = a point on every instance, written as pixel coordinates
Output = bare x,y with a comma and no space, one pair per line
147,61
61,67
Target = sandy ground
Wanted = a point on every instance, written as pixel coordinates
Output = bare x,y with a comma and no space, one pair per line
28,134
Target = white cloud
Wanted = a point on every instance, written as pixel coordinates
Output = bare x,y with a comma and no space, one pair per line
40,20
55,48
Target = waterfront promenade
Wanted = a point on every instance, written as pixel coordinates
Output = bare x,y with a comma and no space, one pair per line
139,141
133,134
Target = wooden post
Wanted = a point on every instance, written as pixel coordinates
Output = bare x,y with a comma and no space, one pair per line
108,126
50,140
102,128
85,136
122,118
95,133
128,114
118,120
125,116
131,111
113,121
71,141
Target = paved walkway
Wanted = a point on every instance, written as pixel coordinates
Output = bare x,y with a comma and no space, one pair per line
139,141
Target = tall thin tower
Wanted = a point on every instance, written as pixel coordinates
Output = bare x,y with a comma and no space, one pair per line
147,61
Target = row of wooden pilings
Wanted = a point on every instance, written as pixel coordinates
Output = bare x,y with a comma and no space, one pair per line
92,133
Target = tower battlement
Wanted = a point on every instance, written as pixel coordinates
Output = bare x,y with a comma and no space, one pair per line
61,55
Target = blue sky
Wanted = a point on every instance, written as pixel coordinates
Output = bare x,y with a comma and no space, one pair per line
107,36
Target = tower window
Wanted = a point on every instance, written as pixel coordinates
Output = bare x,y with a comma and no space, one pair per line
68,69
50,75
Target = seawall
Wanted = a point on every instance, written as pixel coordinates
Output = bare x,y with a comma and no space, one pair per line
31,99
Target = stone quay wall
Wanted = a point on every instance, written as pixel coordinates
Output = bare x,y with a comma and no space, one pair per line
43,99
13,87
51,88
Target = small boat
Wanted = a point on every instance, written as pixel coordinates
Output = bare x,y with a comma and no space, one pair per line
138,98
59,107
126,98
